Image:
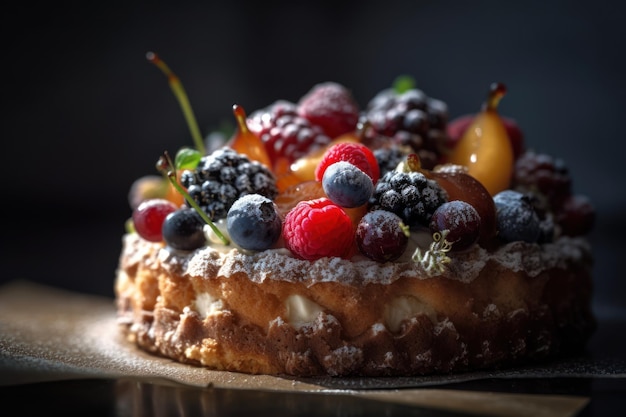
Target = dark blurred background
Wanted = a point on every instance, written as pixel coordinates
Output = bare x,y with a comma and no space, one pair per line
85,114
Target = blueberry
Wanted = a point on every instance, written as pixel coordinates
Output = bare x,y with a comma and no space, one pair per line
346,185
253,222
516,217
183,230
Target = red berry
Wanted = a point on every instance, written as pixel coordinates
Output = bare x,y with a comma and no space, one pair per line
357,154
330,106
576,215
460,219
317,228
149,216
285,134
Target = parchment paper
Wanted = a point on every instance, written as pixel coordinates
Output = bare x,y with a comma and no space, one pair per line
49,334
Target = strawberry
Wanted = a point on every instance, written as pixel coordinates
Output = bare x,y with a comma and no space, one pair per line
331,106
357,154
317,228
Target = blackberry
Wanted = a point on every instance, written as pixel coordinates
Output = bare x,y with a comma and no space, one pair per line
222,177
389,157
285,133
410,195
410,119
538,172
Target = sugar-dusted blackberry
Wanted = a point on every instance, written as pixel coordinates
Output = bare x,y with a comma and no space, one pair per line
222,177
543,173
410,195
286,134
410,118
389,157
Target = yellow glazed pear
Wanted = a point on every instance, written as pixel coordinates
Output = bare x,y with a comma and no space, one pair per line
485,148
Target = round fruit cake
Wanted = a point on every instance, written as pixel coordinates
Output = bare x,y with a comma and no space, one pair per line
326,239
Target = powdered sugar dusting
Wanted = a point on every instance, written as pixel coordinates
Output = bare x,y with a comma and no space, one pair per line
280,264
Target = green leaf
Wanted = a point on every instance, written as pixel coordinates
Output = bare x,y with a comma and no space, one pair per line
187,158
403,83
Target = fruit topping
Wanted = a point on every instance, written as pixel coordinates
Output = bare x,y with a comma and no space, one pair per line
246,142
516,217
253,222
285,134
222,177
408,117
539,172
458,127
290,197
331,106
576,215
462,186
389,157
346,185
317,228
382,236
410,195
357,154
149,216
183,229
485,148
461,220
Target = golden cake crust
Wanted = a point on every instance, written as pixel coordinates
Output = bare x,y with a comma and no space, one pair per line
271,313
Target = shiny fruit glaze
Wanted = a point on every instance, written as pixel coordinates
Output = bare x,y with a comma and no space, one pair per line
246,142
485,148
464,187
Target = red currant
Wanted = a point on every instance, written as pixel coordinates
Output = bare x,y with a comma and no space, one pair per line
148,218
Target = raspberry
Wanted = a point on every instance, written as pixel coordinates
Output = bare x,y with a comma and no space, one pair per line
357,154
317,228
285,134
543,173
331,106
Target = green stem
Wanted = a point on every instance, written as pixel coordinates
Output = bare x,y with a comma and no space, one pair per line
183,100
172,177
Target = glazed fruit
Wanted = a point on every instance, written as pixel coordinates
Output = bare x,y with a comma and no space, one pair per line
382,236
246,142
253,222
290,197
458,127
346,185
485,148
149,216
222,177
516,217
331,106
461,186
183,229
460,219
317,228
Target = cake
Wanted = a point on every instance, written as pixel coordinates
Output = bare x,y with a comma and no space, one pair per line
322,239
